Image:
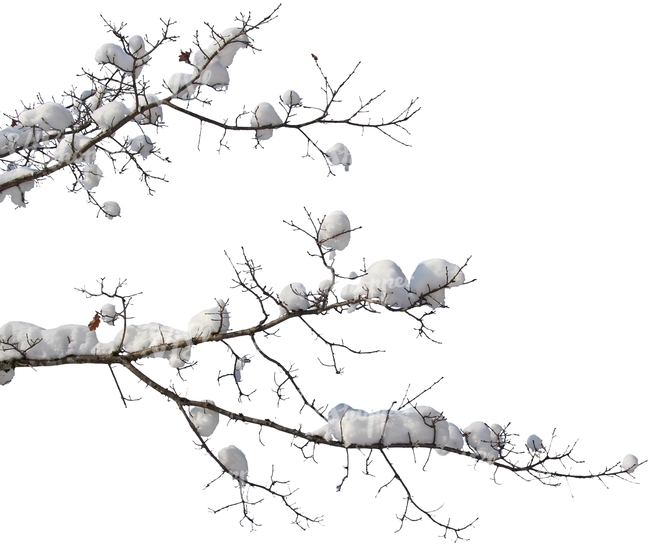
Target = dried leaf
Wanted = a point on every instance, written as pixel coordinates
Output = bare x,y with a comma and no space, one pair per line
184,57
14,123
94,323
314,57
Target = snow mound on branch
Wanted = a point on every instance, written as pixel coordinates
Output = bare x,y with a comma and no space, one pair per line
211,321
179,80
111,209
629,463
12,138
483,440
228,43
534,444
91,174
234,461
24,340
153,115
334,232
47,116
456,439
68,150
112,54
142,145
108,313
385,282
291,98
215,75
17,193
7,376
149,335
294,297
264,115
340,155
204,419
110,114
430,276
413,426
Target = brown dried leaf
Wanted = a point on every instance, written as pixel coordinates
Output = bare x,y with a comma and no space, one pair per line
314,57
184,57
94,323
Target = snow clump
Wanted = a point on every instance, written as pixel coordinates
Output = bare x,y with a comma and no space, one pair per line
91,174
264,115
178,81
151,116
142,145
68,150
111,209
340,155
7,376
110,114
113,54
16,193
108,314
534,444
204,419
149,335
483,440
456,439
234,461
227,44
385,282
629,463
334,232
415,425
432,275
211,321
291,98
47,116
294,298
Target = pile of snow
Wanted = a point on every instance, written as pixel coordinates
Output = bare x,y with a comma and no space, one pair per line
485,440
294,298
234,461
291,98
384,282
18,340
534,443
13,138
629,463
68,150
177,84
456,439
111,209
430,276
214,320
227,44
91,174
204,419
149,335
7,376
110,114
113,54
264,115
340,155
334,232
47,116
416,425
142,145
215,75
108,314
16,193
153,115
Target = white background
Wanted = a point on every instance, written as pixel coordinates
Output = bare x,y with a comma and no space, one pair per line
529,154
